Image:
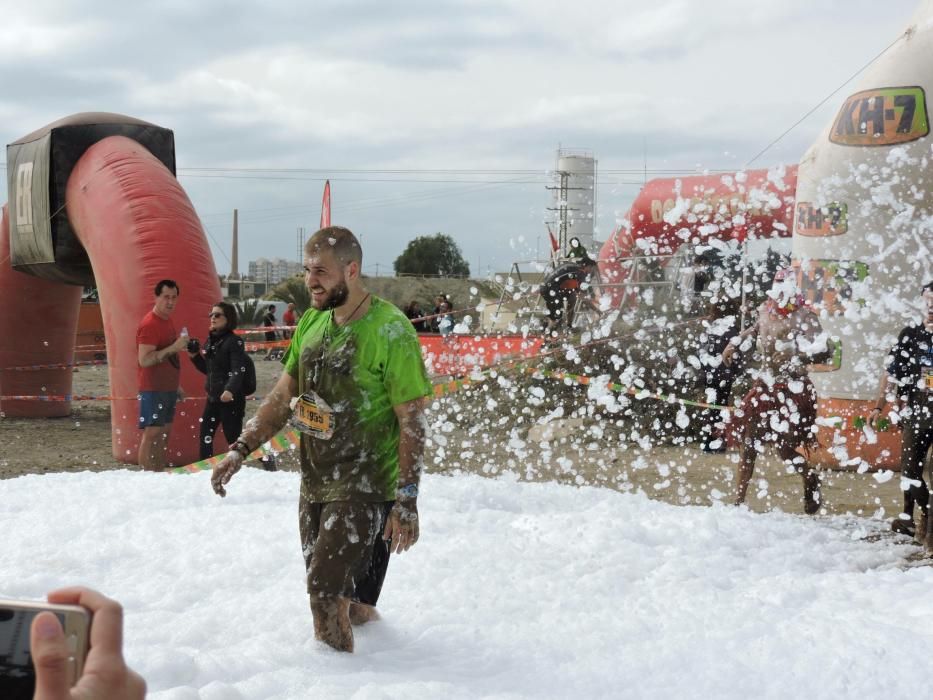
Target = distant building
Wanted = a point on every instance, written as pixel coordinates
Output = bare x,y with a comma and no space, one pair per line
271,272
242,288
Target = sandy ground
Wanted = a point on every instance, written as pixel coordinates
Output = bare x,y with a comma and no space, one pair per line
493,431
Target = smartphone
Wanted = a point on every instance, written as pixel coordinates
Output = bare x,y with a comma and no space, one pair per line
17,675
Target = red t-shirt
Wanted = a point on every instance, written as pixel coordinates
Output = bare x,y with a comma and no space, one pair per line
161,333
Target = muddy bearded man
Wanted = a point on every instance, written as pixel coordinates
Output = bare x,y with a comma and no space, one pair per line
353,387
780,407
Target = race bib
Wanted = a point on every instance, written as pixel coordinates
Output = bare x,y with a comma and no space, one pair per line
312,416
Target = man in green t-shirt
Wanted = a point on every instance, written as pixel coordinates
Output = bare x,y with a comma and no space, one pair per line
354,387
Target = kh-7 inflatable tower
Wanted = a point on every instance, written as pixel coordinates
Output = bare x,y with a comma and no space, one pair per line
863,232
859,208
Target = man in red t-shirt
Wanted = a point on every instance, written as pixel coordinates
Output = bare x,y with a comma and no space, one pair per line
289,319
158,375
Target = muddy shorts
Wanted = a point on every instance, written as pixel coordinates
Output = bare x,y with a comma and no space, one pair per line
343,548
782,413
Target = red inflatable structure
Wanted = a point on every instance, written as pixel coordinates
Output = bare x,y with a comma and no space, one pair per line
669,212
94,200
38,321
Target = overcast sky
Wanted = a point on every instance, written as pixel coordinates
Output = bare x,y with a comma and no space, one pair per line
348,90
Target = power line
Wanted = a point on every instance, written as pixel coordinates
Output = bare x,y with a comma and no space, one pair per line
360,179
826,99
192,171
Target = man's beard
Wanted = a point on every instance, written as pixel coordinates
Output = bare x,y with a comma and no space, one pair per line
335,297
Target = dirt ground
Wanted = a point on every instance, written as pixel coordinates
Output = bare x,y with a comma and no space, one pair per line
493,431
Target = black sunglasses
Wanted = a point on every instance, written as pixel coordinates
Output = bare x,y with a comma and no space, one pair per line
216,314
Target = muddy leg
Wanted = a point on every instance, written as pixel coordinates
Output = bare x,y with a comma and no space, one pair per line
746,469
812,499
332,622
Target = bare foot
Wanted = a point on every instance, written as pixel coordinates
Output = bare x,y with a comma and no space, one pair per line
360,613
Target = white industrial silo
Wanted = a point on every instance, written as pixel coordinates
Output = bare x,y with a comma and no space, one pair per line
574,191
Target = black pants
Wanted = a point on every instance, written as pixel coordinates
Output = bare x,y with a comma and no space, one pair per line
721,382
916,441
557,301
229,415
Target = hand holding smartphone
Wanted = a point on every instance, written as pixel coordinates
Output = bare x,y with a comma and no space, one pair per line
93,659
17,674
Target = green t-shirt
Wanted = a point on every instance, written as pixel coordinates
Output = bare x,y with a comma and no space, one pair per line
361,369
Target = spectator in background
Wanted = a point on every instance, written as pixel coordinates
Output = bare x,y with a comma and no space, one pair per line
445,322
159,375
576,250
717,377
687,286
289,318
701,274
223,360
908,383
563,287
268,321
435,314
416,316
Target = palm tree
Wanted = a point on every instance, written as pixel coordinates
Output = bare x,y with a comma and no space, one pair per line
247,312
293,290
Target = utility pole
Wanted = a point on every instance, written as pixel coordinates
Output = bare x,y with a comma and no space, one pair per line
234,263
563,189
301,244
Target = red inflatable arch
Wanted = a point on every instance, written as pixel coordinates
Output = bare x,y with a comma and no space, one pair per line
130,224
669,212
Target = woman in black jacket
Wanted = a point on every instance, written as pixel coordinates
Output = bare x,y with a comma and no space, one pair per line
223,360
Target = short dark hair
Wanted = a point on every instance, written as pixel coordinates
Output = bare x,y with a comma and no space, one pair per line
340,241
927,288
162,284
230,314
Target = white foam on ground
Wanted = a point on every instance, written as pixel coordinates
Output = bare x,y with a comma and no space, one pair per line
516,590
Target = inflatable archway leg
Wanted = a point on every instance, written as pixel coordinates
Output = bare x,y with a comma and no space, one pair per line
38,322
138,227
837,426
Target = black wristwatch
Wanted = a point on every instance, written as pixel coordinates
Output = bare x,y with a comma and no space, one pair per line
241,447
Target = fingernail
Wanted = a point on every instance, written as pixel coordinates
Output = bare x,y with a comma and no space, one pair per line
47,627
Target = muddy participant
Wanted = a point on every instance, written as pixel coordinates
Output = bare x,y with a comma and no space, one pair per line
158,376
780,407
909,384
356,380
